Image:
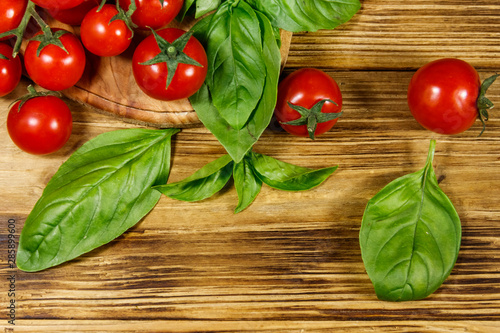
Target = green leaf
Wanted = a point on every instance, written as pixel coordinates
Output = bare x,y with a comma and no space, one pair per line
186,8
285,176
410,236
206,6
236,68
239,142
310,15
247,184
203,183
102,190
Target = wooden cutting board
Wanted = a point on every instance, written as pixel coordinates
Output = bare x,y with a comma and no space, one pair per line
108,84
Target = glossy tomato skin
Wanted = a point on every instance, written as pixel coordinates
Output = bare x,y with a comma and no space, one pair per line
42,126
57,4
10,70
151,14
73,16
101,37
442,96
306,87
11,14
152,78
55,69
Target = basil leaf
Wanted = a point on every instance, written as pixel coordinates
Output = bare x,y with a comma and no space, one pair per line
247,184
102,190
239,142
206,6
285,176
202,7
203,183
186,6
236,68
410,236
310,15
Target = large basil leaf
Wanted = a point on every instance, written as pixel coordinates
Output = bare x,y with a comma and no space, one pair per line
238,142
247,184
410,236
236,68
102,190
286,176
310,15
203,183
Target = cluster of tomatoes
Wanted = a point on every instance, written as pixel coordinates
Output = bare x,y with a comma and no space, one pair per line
169,64
445,96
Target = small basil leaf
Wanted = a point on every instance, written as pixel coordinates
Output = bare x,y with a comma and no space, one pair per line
186,8
239,142
102,190
204,183
286,176
310,15
247,184
206,6
236,70
410,236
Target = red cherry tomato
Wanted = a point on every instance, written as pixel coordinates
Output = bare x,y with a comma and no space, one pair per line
11,14
152,78
152,14
55,69
57,4
443,94
305,88
73,16
42,126
101,37
10,70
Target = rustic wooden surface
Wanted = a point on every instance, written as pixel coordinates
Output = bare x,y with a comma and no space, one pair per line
291,261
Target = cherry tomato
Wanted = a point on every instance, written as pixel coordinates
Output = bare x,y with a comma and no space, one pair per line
101,37
73,16
152,79
42,126
55,69
443,95
57,4
308,88
11,14
152,14
10,70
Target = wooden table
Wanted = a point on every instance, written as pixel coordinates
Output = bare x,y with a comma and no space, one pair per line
291,262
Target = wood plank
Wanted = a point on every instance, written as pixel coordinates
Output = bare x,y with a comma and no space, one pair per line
404,35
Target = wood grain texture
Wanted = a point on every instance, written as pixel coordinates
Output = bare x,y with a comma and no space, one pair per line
290,262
